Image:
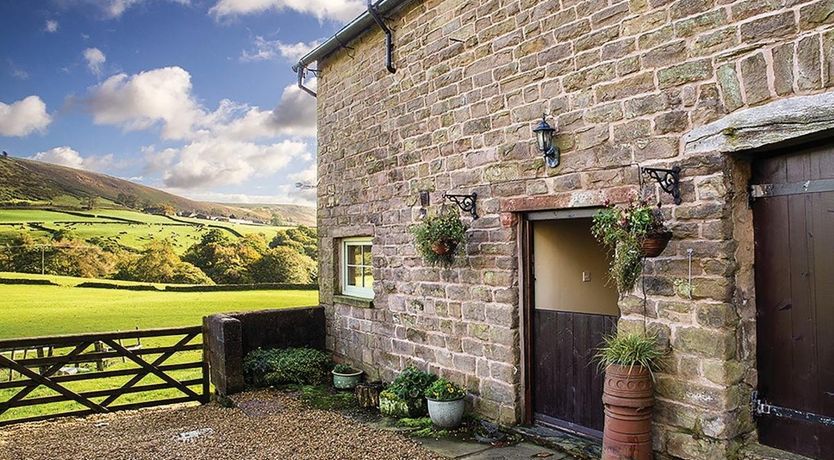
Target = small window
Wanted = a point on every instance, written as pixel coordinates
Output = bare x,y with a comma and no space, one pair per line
357,276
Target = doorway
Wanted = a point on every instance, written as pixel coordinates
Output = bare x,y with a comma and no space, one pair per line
793,218
570,306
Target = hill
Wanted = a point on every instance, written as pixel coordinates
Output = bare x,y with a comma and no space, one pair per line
34,183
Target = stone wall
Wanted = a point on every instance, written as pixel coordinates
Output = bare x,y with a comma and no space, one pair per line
625,81
231,336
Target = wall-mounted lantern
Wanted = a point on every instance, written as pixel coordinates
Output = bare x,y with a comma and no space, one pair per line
544,139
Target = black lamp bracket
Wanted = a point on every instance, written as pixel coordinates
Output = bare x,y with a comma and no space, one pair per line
466,203
669,180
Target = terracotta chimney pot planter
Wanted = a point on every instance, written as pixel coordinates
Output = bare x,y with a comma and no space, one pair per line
628,397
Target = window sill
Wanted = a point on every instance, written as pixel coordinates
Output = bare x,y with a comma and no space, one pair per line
353,301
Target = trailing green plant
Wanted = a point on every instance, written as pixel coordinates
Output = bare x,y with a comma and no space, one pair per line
444,390
434,233
631,350
344,369
622,230
270,367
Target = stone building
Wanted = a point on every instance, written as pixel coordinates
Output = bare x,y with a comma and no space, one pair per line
733,92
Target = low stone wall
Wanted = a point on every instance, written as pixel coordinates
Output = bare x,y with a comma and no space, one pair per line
230,336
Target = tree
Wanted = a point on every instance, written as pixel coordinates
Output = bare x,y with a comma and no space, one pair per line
284,265
302,239
160,264
71,257
224,260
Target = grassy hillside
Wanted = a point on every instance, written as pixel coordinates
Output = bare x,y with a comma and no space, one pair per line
130,229
34,183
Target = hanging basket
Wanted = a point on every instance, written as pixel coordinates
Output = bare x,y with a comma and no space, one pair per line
654,244
443,247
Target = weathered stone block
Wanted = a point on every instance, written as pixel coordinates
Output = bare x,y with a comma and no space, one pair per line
709,343
767,27
684,73
808,64
730,88
754,74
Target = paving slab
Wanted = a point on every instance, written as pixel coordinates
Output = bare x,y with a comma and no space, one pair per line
451,448
522,451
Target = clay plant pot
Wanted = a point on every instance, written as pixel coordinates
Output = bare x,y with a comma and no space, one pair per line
628,397
654,244
442,247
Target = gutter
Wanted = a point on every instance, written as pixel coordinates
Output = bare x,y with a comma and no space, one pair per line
351,31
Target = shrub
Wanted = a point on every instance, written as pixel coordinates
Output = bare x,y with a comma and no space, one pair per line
304,366
444,390
344,369
631,350
283,265
410,386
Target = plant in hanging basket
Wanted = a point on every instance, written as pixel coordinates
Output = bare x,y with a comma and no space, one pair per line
440,237
631,233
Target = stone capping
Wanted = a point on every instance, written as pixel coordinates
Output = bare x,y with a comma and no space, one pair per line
353,301
769,124
230,336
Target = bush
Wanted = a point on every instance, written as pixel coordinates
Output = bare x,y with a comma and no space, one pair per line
304,366
344,369
411,383
444,390
284,265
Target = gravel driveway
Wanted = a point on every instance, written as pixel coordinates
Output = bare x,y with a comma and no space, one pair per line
271,425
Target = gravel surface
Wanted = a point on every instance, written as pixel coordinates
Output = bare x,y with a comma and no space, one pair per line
268,425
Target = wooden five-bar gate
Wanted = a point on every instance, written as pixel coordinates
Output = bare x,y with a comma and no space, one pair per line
52,371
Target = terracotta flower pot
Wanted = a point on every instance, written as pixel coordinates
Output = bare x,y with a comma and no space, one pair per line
628,397
442,247
654,244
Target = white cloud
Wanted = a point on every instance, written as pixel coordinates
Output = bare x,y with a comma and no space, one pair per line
283,195
265,50
51,26
308,175
115,8
95,59
220,162
164,96
146,99
338,10
16,71
23,117
67,156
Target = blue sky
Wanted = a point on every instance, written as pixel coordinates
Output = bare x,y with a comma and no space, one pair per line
191,96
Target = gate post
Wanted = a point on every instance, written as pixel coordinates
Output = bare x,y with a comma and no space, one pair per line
224,352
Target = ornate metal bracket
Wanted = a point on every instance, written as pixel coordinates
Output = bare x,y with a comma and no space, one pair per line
669,180
466,203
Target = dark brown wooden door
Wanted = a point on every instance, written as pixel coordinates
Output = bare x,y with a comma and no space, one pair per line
567,381
794,266
573,306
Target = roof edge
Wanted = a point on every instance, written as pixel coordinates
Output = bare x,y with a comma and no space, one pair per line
347,33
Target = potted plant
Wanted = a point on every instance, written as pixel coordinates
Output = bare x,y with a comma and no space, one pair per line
440,237
628,394
404,397
632,233
345,377
446,404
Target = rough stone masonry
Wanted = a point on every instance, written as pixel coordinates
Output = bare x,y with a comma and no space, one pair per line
627,82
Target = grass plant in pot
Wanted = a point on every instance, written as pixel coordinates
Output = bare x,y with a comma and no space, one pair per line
631,233
404,397
345,377
446,403
629,361
439,238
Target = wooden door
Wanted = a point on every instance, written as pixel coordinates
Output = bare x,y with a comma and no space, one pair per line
793,215
573,307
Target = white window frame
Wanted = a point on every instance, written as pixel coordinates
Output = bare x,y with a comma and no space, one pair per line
348,290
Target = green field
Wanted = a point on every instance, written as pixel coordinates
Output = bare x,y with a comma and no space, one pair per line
28,311
105,223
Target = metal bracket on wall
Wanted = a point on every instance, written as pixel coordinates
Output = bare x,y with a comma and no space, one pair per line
669,180
762,407
466,203
389,36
